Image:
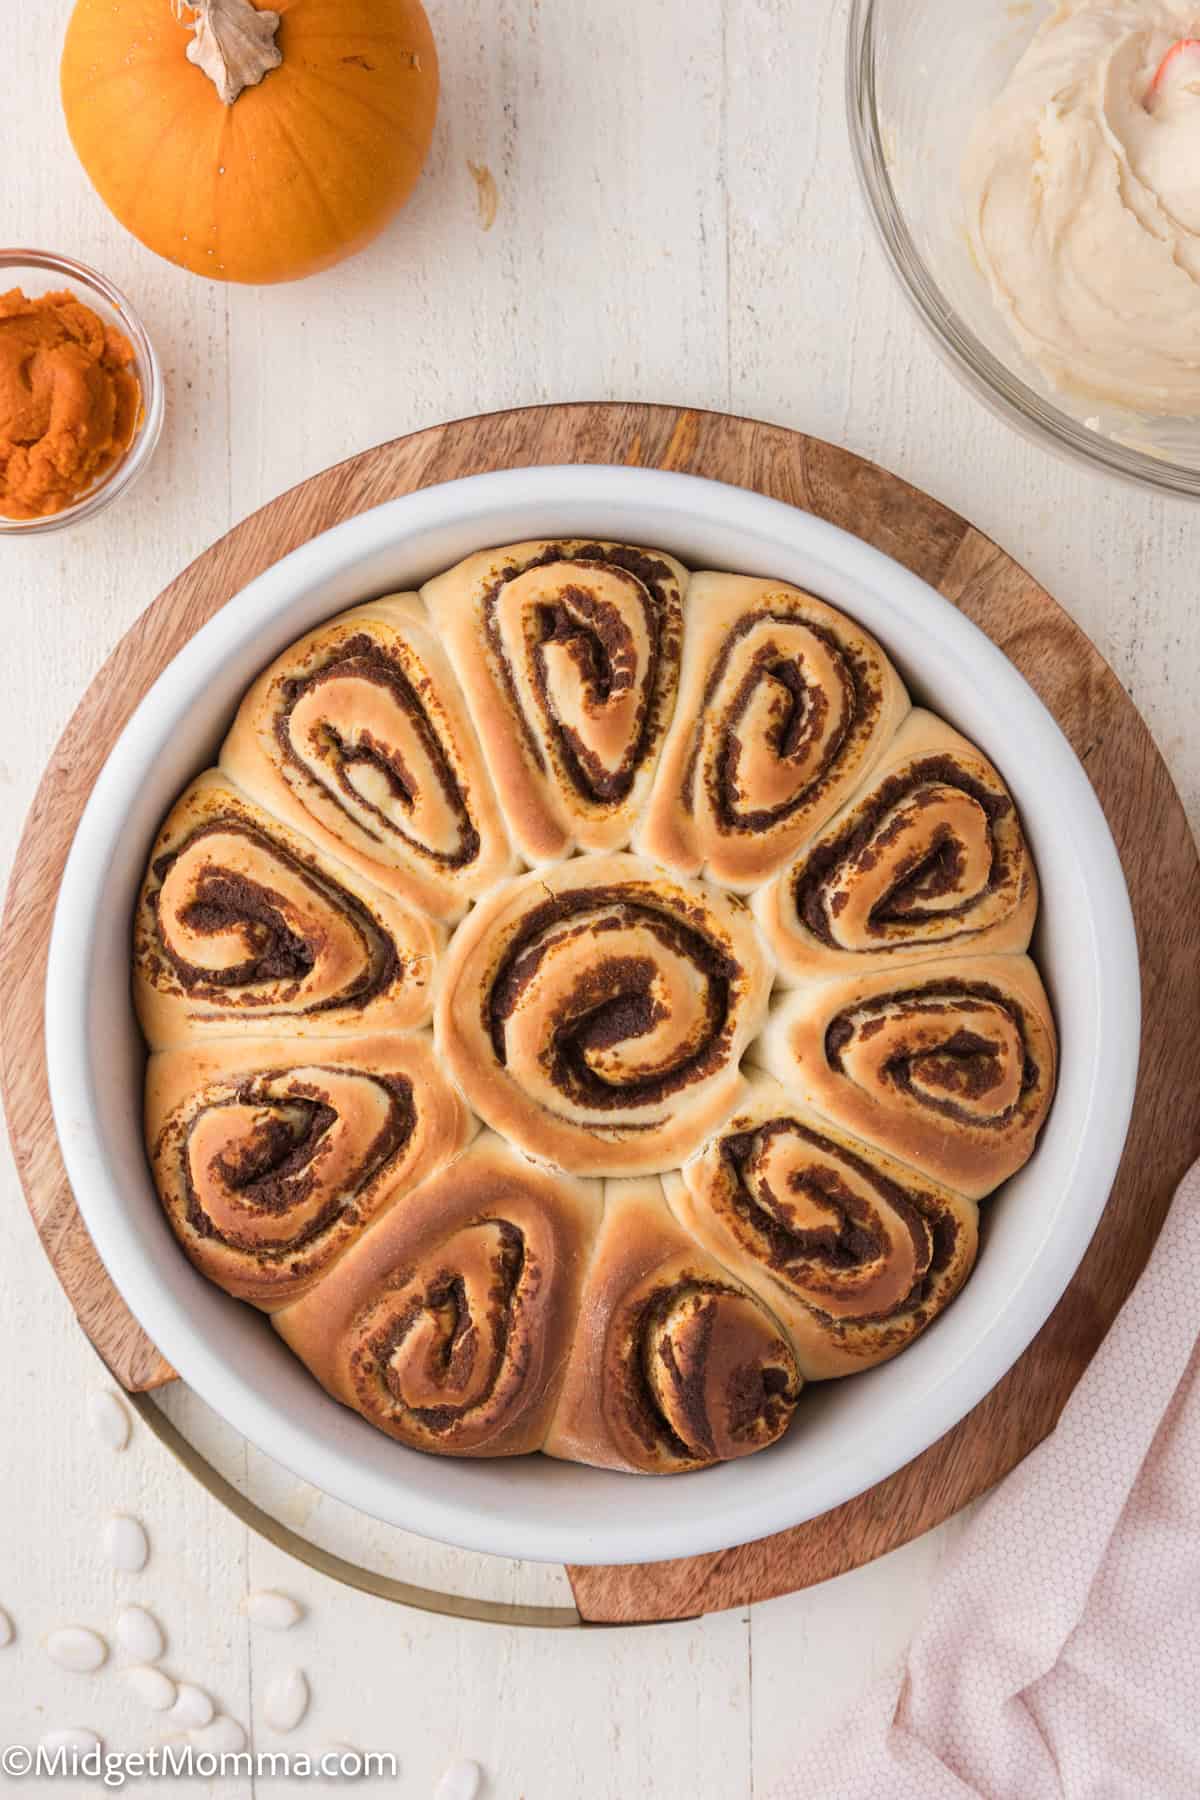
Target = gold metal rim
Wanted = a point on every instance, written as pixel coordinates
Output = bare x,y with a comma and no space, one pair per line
337,1568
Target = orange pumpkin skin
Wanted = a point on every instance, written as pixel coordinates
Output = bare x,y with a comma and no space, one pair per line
299,172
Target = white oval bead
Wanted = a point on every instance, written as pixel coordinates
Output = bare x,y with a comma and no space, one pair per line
274,1612
152,1687
192,1709
224,1733
75,1647
140,1634
109,1420
127,1545
286,1700
7,1632
74,1737
460,1782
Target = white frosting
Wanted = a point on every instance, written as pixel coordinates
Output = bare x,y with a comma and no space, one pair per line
1083,201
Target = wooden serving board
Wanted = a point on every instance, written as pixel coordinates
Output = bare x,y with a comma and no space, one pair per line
1093,709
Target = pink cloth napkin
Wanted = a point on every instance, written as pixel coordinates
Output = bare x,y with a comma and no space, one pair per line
1061,1653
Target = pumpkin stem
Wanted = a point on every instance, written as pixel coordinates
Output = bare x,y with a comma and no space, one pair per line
234,43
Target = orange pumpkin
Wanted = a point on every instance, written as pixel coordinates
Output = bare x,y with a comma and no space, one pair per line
249,145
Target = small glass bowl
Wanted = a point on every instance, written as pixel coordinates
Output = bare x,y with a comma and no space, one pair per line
918,74
39,272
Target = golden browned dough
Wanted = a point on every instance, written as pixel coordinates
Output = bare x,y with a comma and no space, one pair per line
926,860
743,1085
675,1365
568,653
358,736
950,1067
272,1156
596,1013
244,927
448,1324
853,1251
784,705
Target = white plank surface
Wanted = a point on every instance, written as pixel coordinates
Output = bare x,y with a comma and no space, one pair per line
676,221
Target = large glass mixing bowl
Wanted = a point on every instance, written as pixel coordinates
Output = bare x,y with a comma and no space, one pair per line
918,74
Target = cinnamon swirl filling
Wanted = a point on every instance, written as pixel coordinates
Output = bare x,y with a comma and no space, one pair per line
237,917
702,1374
583,644
271,1163
242,925
852,1251
272,1158
449,1324
784,705
568,653
438,1353
951,1070
840,1234
597,1015
927,859
358,729
608,1002
778,709
958,1048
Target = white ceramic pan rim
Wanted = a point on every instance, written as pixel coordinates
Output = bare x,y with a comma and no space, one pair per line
848,1435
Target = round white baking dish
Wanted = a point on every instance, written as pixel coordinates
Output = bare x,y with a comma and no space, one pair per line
847,1435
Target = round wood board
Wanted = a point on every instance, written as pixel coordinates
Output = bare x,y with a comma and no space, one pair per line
1145,814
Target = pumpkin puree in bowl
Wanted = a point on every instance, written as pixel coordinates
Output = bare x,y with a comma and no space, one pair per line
70,402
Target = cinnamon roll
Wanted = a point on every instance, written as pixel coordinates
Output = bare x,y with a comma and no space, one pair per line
271,1157
675,1365
568,653
243,927
358,737
950,1068
784,705
853,1252
926,860
448,1325
424,810
596,1013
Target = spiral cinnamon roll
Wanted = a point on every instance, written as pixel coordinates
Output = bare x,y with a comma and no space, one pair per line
853,1252
568,653
675,1365
244,927
448,1324
927,860
951,1068
784,706
596,1013
272,1157
358,737
471,764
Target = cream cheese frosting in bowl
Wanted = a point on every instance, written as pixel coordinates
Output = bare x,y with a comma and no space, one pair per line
1033,172
1082,185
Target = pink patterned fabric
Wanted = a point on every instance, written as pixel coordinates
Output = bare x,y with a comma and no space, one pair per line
1061,1653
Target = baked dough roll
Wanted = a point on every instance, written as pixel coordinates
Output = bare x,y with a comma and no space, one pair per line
568,653
853,1252
950,1068
927,860
784,705
449,1323
358,736
595,1013
675,1365
244,928
271,1157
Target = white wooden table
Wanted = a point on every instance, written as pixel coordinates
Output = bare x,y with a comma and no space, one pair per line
677,221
